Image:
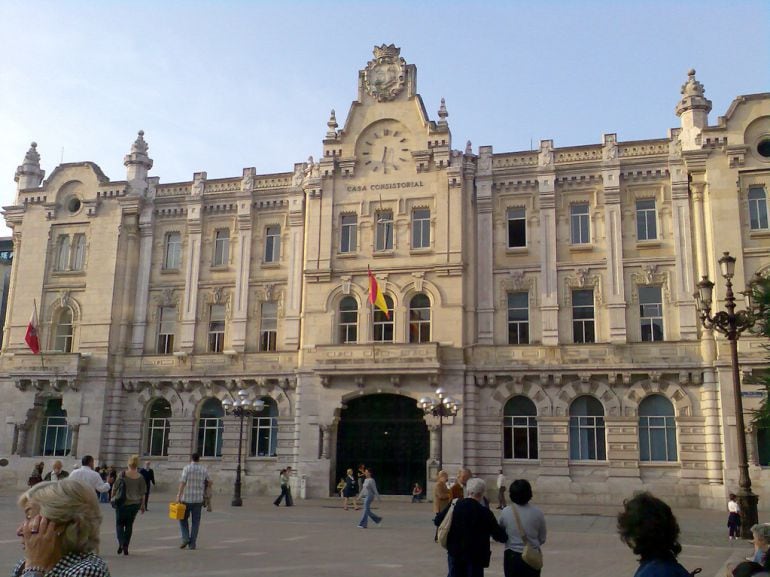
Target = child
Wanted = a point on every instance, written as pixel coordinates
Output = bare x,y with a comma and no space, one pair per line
417,493
733,518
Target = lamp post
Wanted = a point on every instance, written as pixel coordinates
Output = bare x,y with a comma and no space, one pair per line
444,407
732,323
241,408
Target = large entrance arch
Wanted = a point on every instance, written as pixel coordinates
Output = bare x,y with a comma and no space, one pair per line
387,433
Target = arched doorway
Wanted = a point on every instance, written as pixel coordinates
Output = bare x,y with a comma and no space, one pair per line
387,433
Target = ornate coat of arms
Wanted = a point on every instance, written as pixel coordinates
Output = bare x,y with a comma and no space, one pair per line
385,76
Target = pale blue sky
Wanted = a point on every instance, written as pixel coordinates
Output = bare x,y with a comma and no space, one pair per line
218,86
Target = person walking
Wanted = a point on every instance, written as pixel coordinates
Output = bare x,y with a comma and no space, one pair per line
128,501
57,472
285,488
458,489
349,490
192,488
473,524
37,474
368,494
520,517
86,474
149,478
418,495
733,518
502,484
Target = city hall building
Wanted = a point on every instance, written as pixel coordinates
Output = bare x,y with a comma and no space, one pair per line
549,292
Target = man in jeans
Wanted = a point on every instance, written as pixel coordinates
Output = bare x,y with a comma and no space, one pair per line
192,488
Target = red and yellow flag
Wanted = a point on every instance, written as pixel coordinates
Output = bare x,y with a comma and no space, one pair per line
375,295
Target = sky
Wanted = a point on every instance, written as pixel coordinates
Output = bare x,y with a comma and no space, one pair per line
222,85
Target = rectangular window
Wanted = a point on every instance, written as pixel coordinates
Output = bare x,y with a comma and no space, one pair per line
272,243
172,256
421,228
221,247
520,437
264,437
383,231
646,222
166,330
348,233
517,227
758,208
268,327
586,439
157,437
580,228
78,252
651,313
56,437
583,316
518,318
216,329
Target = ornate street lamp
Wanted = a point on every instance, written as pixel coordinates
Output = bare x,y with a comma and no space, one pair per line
732,323
444,407
241,408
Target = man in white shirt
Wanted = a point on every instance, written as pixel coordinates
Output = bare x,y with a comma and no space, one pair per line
86,474
502,483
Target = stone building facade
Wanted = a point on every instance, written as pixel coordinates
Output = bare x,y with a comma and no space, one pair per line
549,291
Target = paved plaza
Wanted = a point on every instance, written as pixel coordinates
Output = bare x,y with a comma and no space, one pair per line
318,538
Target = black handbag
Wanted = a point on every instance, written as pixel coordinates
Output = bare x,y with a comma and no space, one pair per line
119,492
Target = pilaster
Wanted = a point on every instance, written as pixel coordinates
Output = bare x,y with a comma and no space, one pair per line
549,293
242,263
485,249
296,257
143,269
684,267
615,289
192,263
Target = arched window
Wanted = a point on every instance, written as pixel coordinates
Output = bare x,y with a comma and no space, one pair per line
419,319
63,252
210,427
520,429
348,320
157,428
63,331
383,325
264,431
657,429
79,252
55,434
586,430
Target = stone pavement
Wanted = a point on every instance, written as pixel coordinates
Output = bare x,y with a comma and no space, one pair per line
317,538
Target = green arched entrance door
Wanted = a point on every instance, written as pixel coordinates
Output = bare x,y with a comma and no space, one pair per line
387,433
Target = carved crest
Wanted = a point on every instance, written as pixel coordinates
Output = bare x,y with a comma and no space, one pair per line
649,276
385,76
582,278
517,281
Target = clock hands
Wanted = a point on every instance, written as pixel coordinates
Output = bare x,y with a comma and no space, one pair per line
385,160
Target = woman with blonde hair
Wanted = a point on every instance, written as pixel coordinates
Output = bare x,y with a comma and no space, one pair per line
128,500
60,531
441,493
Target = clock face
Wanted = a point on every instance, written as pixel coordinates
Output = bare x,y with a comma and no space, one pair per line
385,148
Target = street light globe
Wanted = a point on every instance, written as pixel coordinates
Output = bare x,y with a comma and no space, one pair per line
227,404
258,404
243,393
441,392
447,401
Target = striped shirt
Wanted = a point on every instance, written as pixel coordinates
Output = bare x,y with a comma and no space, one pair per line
194,477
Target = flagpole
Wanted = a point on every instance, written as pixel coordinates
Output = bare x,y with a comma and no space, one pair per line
37,324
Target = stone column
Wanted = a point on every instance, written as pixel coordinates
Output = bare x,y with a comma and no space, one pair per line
485,282
242,269
684,267
75,428
549,290
192,263
615,284
21,439
326,435
142,281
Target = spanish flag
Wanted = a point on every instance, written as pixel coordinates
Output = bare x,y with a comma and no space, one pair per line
375,294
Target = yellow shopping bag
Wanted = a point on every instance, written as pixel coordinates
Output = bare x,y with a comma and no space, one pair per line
176,511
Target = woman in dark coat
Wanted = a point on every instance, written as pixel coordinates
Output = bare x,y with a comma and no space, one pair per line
350,490
468,551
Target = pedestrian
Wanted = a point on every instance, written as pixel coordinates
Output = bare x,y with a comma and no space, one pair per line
350,490
458,488
60,531
192,488
37,474
128,501
104,497
418,495
473,524
761,539
285,477
747,569
57,472
733,518
650,529
368,494
502,483
149,478
86,474
517,517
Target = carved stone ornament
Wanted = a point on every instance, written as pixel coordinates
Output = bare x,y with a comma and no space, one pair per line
649,276
582,279
385,76
517,281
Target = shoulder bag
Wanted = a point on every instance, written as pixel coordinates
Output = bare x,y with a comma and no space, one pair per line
442,534
530,555
119,492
